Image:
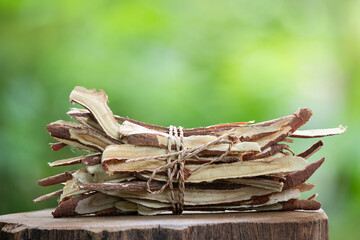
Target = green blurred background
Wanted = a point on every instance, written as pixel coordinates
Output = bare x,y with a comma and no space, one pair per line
190,63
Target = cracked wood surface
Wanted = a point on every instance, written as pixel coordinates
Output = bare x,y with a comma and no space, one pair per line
261,225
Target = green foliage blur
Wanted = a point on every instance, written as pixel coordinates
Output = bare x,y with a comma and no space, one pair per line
189,63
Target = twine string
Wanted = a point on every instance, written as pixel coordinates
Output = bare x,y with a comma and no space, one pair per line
175,163
169,172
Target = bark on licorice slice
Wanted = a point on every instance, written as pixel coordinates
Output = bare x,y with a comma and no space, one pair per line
78,136
86,160
57,146
297,177
49,195
85,204
313,149
56,179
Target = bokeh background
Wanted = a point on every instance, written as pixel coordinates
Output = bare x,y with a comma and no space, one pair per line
189,63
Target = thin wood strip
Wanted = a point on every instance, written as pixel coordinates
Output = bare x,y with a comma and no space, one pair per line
49,195
119,187
315,133
57,146
56,179
313,149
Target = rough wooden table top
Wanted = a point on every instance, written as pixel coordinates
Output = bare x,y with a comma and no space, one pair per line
231,225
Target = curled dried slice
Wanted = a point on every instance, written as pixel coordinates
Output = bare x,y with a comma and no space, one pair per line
96,102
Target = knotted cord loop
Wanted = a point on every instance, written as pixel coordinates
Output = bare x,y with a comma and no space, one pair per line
175,164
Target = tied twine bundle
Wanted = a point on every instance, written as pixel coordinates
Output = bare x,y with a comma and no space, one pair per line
175,163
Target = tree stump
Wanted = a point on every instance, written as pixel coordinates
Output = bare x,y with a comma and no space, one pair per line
229,225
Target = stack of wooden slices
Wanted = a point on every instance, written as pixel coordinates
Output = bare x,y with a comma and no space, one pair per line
138,168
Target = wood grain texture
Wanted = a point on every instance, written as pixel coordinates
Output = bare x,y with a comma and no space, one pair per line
263,225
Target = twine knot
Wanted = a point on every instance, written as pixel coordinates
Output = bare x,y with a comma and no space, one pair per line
175,164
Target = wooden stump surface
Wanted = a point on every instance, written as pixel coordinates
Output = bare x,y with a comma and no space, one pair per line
231,225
